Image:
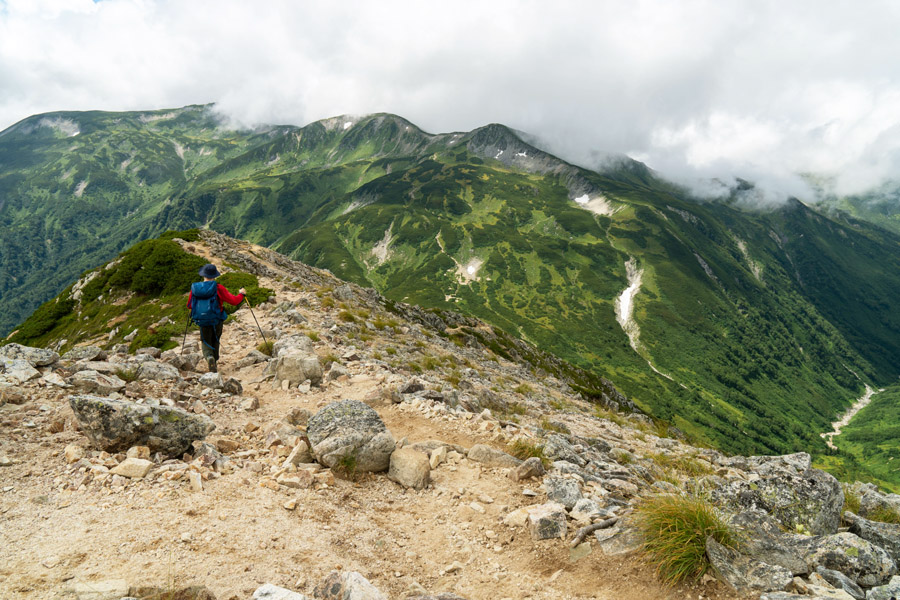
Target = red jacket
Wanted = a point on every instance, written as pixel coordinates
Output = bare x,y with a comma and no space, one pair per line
224,296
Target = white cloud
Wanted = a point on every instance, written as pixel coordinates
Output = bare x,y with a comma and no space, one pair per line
756,89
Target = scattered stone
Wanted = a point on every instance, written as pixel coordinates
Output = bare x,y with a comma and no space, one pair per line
346,585
196,481
337,370
841,582
73,453
232,386
295,368
133,468
562,490
249,404
108,589
226,446
492,457
116,425
532,467
580,551
212,381
55,379
150,351
302,479
299,455
12,394
350,428
138,452
745,574
438,456
547,521
410,468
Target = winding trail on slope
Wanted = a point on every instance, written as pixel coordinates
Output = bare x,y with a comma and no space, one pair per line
860,404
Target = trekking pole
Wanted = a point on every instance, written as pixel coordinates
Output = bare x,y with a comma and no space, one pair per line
185,334
257,322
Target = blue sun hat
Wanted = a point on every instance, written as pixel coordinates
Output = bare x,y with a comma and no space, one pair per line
209,270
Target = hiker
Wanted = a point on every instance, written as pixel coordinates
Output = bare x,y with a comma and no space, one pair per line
206,301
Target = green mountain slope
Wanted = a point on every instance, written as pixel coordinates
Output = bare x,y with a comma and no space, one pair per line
749,330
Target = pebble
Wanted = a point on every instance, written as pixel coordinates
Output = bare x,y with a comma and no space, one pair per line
477,507
196,481
529,493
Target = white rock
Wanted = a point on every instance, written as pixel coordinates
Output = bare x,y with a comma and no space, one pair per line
134,468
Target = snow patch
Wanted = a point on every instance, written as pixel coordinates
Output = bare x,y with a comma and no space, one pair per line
598,204
499,153
754,266
469,272
79,189
522,154
625,303
179,150
348,125
66,127
382,250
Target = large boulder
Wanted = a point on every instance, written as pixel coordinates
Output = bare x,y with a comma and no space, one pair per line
889,591
117,425
806,501
743,573
92,382
36,357
16,370
410,468
350,428
865,563
764,540
886,535
158,371
293,344
295,368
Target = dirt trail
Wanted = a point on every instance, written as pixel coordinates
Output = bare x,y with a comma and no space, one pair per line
236,534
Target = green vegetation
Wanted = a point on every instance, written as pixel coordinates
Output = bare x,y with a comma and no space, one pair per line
761,321
675,529
525,449
143,290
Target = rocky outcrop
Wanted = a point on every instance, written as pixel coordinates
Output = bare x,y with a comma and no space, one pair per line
92,382
886,535
743,573
802,499
350,428
116,425
865,563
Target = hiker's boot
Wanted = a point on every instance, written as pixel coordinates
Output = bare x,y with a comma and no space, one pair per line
211,362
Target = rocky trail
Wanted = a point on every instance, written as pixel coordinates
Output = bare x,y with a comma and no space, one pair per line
273,504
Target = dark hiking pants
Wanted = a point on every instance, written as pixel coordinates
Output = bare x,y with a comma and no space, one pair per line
209,338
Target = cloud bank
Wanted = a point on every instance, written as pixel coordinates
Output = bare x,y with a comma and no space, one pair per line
763,90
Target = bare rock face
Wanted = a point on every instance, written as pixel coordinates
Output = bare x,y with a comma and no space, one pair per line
886,535
350,428
117,425
865,563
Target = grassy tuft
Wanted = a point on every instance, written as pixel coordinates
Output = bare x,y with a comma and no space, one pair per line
523,449
265,348
345,467
127,375
675,529
884,514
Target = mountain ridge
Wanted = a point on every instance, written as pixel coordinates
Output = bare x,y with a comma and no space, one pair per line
485,223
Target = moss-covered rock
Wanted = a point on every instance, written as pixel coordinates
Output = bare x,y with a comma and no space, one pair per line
116,425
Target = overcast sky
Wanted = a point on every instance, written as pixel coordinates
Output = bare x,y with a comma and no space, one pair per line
758,89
